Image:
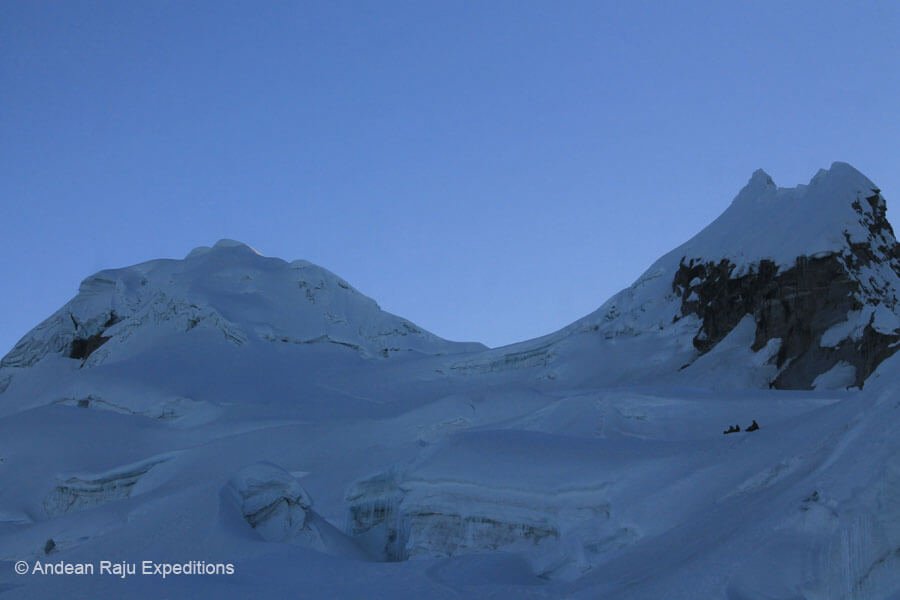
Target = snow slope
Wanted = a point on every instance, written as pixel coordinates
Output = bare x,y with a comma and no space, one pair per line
241,410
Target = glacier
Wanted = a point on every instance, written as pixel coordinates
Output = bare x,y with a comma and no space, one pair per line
232,407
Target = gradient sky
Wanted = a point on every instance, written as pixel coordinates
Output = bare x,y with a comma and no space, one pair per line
490,170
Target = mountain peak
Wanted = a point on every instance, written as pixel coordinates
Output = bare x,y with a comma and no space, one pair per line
759,187
761,179
223,244
841,170
804,280
229,243
765,221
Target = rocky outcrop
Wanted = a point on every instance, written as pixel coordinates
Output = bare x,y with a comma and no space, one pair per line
83,347
800,304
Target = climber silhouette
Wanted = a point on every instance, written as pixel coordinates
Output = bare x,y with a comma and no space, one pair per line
753,426
732,429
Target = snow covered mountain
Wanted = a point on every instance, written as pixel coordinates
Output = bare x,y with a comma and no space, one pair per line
216,299
230,289
267,420
792,288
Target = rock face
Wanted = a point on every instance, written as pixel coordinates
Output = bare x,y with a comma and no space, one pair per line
82,347
800,304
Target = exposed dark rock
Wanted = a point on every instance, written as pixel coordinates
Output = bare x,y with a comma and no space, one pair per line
49,546
881,234
81,348
797,305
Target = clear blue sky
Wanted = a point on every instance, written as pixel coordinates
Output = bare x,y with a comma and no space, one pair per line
490,170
